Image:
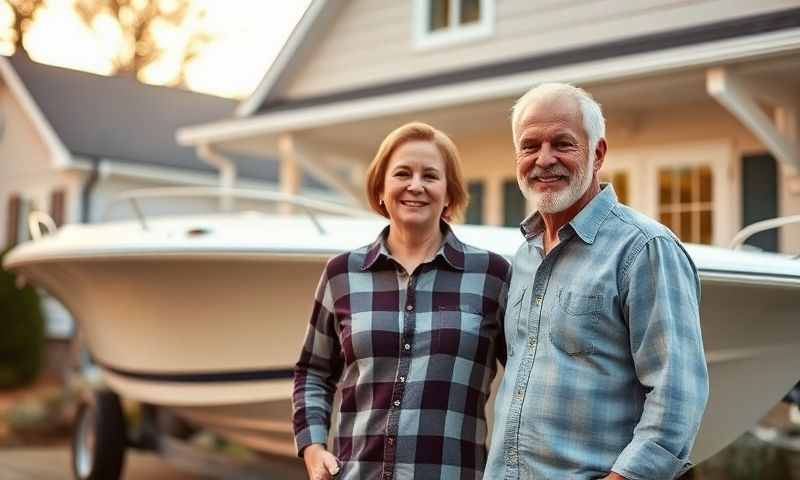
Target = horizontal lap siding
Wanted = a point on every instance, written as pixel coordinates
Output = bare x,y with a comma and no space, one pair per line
370,41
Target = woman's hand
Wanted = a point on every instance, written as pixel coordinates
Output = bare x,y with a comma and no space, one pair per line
320,463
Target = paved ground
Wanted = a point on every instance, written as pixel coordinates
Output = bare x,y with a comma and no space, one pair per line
54,464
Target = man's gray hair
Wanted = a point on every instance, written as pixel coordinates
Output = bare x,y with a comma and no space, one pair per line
593,122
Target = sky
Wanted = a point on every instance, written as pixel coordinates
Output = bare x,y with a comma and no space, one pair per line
248,35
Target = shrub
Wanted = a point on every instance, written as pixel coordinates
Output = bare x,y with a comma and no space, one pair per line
21,332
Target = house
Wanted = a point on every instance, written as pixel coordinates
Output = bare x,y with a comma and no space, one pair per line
71,141
701,99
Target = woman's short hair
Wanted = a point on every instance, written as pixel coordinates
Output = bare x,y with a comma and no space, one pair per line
418,131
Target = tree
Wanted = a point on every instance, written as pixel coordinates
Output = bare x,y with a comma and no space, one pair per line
138,22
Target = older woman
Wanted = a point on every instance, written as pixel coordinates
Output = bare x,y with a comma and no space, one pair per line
409,328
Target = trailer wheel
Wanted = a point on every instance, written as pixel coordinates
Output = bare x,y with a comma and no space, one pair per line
99,439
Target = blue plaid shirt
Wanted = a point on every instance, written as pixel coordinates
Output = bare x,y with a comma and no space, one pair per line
606,370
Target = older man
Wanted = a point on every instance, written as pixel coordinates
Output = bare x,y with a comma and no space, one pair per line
606,376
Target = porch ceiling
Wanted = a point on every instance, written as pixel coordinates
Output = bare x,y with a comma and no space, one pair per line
358,140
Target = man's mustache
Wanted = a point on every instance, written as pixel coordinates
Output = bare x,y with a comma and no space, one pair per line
556,171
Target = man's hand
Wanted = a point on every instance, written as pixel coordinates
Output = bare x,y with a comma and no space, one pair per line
320,463
613,476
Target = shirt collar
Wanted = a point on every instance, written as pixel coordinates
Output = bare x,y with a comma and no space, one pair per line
586,223
452,250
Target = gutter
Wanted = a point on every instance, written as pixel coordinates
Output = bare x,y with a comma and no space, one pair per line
88,189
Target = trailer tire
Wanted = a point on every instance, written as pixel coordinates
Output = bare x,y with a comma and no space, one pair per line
99,438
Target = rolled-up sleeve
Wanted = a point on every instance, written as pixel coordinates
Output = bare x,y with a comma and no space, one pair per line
316,372
660,294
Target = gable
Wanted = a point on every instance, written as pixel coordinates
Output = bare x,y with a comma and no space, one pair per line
23,149
26,124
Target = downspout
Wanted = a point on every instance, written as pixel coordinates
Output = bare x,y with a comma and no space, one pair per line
227,173
88,189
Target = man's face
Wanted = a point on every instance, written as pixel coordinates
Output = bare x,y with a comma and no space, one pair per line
554,164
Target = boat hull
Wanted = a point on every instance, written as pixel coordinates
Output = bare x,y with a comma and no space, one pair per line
213,335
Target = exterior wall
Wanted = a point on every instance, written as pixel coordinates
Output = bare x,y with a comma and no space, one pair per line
693,134
370,41
26,167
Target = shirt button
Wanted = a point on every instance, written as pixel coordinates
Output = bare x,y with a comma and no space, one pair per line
407,346
409,307
397,403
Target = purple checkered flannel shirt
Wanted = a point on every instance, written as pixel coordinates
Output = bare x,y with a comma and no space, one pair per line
414,362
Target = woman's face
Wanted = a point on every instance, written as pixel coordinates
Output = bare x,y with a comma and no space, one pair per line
415,185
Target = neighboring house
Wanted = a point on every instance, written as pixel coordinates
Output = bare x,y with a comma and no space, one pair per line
70,141
701,99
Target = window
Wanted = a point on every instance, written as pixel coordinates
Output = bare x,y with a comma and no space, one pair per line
474,214
685,202
444,22
513,204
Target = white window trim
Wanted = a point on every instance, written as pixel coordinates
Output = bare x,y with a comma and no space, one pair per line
642,165
455,34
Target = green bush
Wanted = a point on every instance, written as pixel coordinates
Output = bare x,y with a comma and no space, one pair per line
21,332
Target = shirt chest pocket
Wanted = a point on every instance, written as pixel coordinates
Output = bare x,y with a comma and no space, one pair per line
574,321
456,330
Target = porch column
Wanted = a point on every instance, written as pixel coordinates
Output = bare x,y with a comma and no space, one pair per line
290,175
493,208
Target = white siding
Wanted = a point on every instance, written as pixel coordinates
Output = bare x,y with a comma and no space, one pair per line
370,41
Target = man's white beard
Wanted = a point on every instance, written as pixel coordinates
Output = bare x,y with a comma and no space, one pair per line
560,200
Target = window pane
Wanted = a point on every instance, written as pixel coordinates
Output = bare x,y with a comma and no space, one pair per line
685,185
470,11
705,227
664,187
684,213
685,233
705,184
474,213
513,204
666,219
439,14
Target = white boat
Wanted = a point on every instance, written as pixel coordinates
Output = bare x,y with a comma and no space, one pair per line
204,316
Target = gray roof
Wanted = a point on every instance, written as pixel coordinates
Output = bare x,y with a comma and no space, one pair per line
124,120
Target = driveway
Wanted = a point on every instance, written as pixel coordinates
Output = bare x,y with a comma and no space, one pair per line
54,464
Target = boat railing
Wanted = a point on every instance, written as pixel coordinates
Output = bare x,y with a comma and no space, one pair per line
36,220
309,206
738,240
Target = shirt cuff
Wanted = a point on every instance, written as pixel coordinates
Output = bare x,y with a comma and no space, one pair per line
309,435
645,460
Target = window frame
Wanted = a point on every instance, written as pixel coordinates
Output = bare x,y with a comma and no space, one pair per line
455,33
